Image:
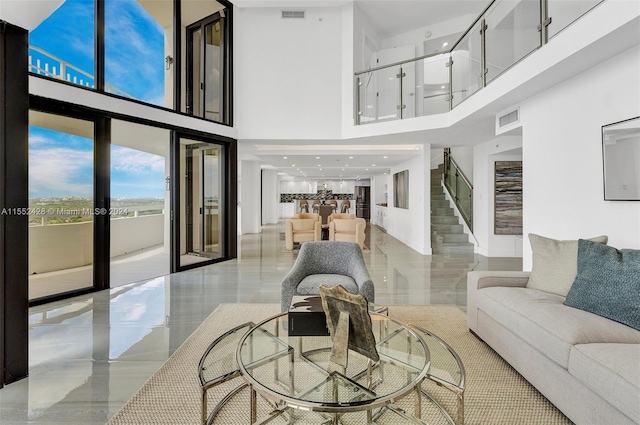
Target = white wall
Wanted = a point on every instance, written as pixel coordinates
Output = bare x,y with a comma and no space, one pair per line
288,81
366,40
270,197
484,157
562,150
249,196
464,158
413,226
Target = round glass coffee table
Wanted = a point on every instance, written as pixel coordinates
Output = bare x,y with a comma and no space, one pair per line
295,375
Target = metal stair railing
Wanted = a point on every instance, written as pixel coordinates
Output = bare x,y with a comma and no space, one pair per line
459,187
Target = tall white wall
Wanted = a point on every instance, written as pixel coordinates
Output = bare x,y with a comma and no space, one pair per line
270,196
249,196
288,82
464,158
413,226
562,150
503,148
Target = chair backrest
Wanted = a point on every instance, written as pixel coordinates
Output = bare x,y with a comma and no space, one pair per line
341,216
330,257
314,216
304,203
333,202
345,202
346,226
316,202
302,224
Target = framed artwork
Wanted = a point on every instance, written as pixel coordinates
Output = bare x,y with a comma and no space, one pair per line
508,198
621,160
401,189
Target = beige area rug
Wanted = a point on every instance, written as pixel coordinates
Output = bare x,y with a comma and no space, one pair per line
495,393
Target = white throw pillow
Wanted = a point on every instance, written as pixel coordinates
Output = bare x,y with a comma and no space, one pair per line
555,263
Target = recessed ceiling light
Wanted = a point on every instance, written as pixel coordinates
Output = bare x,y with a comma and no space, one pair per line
317,157
366,169
319,165
373,165
293,165
350,157
441,87
321,170
346,165
284,157
343,169
385,157
445,44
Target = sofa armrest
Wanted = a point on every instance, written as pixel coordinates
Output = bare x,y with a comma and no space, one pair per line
483,279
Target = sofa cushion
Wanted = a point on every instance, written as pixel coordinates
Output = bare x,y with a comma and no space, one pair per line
310,284
608,283
541,320
554,265
612,371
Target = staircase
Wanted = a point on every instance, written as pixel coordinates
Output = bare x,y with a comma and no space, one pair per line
447,234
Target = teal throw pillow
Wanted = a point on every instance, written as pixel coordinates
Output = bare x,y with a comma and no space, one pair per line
607,283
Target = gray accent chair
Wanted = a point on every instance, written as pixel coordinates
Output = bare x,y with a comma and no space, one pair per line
327,263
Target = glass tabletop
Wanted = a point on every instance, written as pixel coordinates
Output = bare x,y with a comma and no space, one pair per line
296,370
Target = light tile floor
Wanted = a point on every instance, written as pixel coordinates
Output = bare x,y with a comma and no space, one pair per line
88,355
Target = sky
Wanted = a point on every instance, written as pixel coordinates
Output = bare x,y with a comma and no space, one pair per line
62,164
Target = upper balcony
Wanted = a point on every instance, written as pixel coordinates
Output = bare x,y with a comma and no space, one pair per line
514,49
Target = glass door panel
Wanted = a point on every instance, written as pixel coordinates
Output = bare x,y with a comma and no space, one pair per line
201,232
213,71
195,75
139,239
206,69
61,208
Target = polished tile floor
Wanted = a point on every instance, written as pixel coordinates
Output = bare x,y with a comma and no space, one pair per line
88,355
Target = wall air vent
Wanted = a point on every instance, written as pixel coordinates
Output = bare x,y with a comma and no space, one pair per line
509,118
293,14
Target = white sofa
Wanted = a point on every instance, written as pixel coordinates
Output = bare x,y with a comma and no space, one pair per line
588,366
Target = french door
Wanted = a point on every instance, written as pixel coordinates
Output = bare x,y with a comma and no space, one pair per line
201,215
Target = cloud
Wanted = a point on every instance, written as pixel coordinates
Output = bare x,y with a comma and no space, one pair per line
135,49
136,162
60,171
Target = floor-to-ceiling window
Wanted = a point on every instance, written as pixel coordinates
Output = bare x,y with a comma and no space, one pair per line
61,208
140,219
63,45
139,50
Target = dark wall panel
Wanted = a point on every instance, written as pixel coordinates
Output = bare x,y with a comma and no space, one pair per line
14,148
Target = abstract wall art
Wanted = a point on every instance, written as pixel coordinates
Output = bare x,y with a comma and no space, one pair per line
508,198
401,189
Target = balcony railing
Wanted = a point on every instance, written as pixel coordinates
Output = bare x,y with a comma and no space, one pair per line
44,63
504,34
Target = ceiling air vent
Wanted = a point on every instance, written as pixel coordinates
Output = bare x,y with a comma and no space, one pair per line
509,118
293,14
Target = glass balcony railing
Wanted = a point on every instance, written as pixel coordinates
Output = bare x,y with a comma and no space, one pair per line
504,34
